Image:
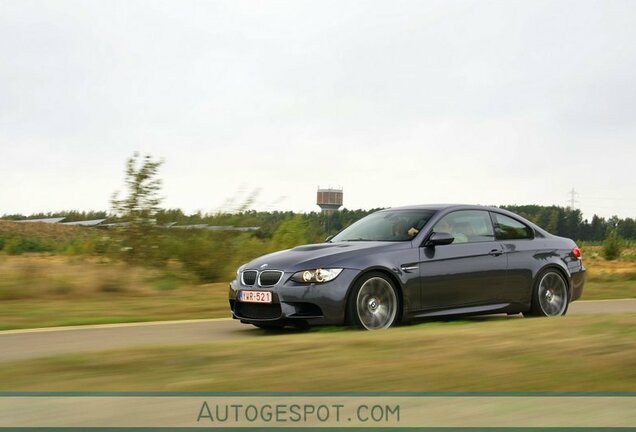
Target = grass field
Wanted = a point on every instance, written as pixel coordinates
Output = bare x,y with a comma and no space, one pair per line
609,279
577,353
39,290
45,291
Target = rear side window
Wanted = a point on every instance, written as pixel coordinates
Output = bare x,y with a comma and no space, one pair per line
507,228
467,226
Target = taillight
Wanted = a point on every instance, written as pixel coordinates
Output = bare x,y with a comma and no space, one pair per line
576,252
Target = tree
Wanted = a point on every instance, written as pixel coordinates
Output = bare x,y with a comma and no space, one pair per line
138,209
552,225
612,246
292,232
598,228
627,228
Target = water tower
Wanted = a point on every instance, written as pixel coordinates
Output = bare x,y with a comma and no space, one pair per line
329,200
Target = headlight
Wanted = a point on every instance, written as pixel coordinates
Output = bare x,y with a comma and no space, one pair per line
316,276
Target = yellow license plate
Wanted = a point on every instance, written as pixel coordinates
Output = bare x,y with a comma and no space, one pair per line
255,296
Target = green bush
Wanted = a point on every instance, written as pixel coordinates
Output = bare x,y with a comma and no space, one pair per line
18,246
612,246
203,253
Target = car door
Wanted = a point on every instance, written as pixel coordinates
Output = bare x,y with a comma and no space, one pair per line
469,271
517,240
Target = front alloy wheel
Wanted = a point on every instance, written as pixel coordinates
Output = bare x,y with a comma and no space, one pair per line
375,302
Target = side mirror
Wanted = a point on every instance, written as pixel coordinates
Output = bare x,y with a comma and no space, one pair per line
328,239
439,239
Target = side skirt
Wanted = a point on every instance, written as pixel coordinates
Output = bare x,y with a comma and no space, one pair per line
473,310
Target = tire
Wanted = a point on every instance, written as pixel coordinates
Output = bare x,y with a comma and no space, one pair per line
550,295
374,303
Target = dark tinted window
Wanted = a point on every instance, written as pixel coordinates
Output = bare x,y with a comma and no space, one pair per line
508,228
467,226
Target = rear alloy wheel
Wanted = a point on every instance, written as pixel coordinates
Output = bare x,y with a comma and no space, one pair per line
374,302
550,295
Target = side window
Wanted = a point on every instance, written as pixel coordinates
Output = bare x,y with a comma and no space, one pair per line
467,226
508,228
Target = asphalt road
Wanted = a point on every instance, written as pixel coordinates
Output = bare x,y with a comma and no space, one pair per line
34,343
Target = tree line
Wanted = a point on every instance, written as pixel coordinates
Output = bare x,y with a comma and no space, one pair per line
561,221
568,222
141,212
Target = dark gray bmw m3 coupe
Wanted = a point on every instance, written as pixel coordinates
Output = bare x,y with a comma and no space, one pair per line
401,264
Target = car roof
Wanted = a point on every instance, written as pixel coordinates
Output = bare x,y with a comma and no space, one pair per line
437,207
448,207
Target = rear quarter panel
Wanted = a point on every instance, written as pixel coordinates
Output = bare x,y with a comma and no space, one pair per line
527,258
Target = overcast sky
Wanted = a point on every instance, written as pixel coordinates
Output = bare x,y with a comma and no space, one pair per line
398,102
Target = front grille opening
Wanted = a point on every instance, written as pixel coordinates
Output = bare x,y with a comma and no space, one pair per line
249,277
257,310
269,277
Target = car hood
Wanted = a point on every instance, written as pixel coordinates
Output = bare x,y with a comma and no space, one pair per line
322,255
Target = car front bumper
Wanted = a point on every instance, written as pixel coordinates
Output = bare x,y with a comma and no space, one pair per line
295,303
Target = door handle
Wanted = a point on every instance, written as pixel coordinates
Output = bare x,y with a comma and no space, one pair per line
495,252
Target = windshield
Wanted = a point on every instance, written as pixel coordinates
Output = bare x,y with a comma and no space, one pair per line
386,225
